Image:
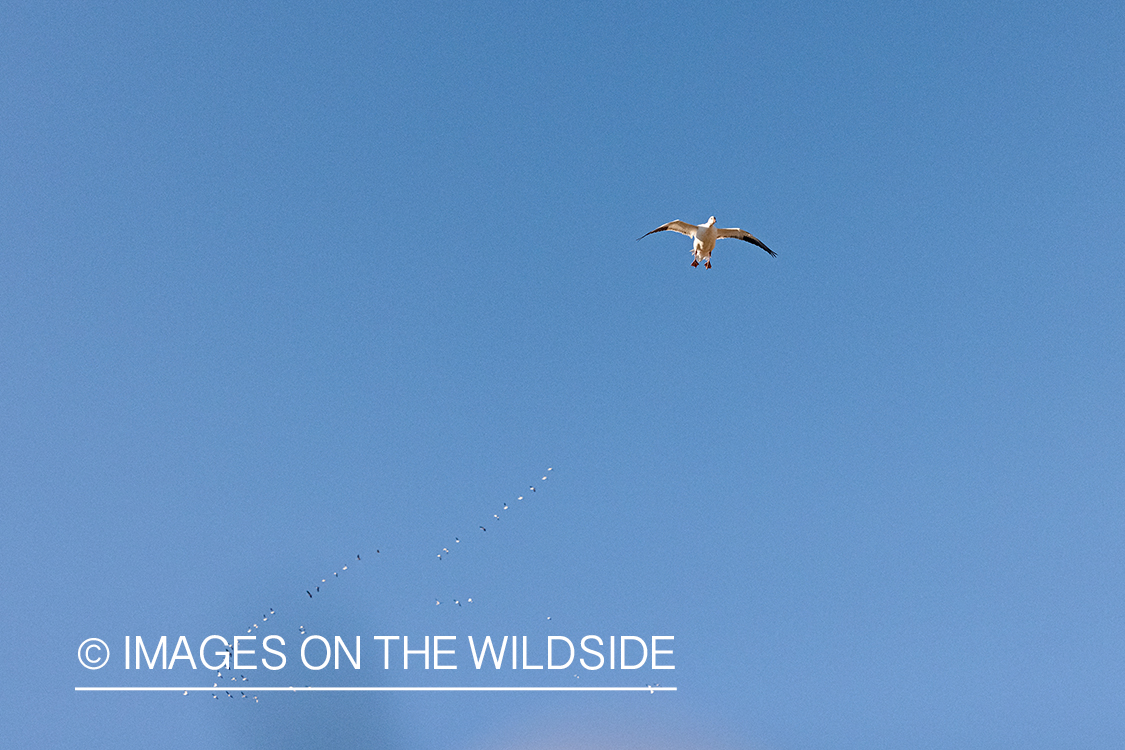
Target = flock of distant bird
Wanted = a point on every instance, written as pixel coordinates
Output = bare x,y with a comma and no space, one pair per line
457,540
703,238
315,589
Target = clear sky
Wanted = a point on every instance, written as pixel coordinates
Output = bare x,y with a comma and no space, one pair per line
286,283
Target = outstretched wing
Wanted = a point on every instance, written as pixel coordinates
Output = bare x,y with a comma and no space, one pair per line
738,234
676,226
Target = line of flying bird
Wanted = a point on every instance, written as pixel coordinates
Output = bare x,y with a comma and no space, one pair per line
311,592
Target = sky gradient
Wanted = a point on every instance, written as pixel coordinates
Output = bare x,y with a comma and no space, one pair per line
287,283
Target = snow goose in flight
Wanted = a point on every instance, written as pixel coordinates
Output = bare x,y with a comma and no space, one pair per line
704,237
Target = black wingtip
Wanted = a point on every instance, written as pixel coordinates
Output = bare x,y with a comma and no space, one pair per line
755,241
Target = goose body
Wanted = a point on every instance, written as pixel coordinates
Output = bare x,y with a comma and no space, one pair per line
703,238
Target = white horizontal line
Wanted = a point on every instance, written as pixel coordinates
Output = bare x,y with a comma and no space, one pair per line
652,689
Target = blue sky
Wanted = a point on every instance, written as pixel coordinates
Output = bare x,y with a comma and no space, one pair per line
281,284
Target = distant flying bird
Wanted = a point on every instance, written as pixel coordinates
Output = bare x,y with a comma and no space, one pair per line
704,236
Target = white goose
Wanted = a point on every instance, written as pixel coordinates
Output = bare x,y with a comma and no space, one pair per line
704,236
